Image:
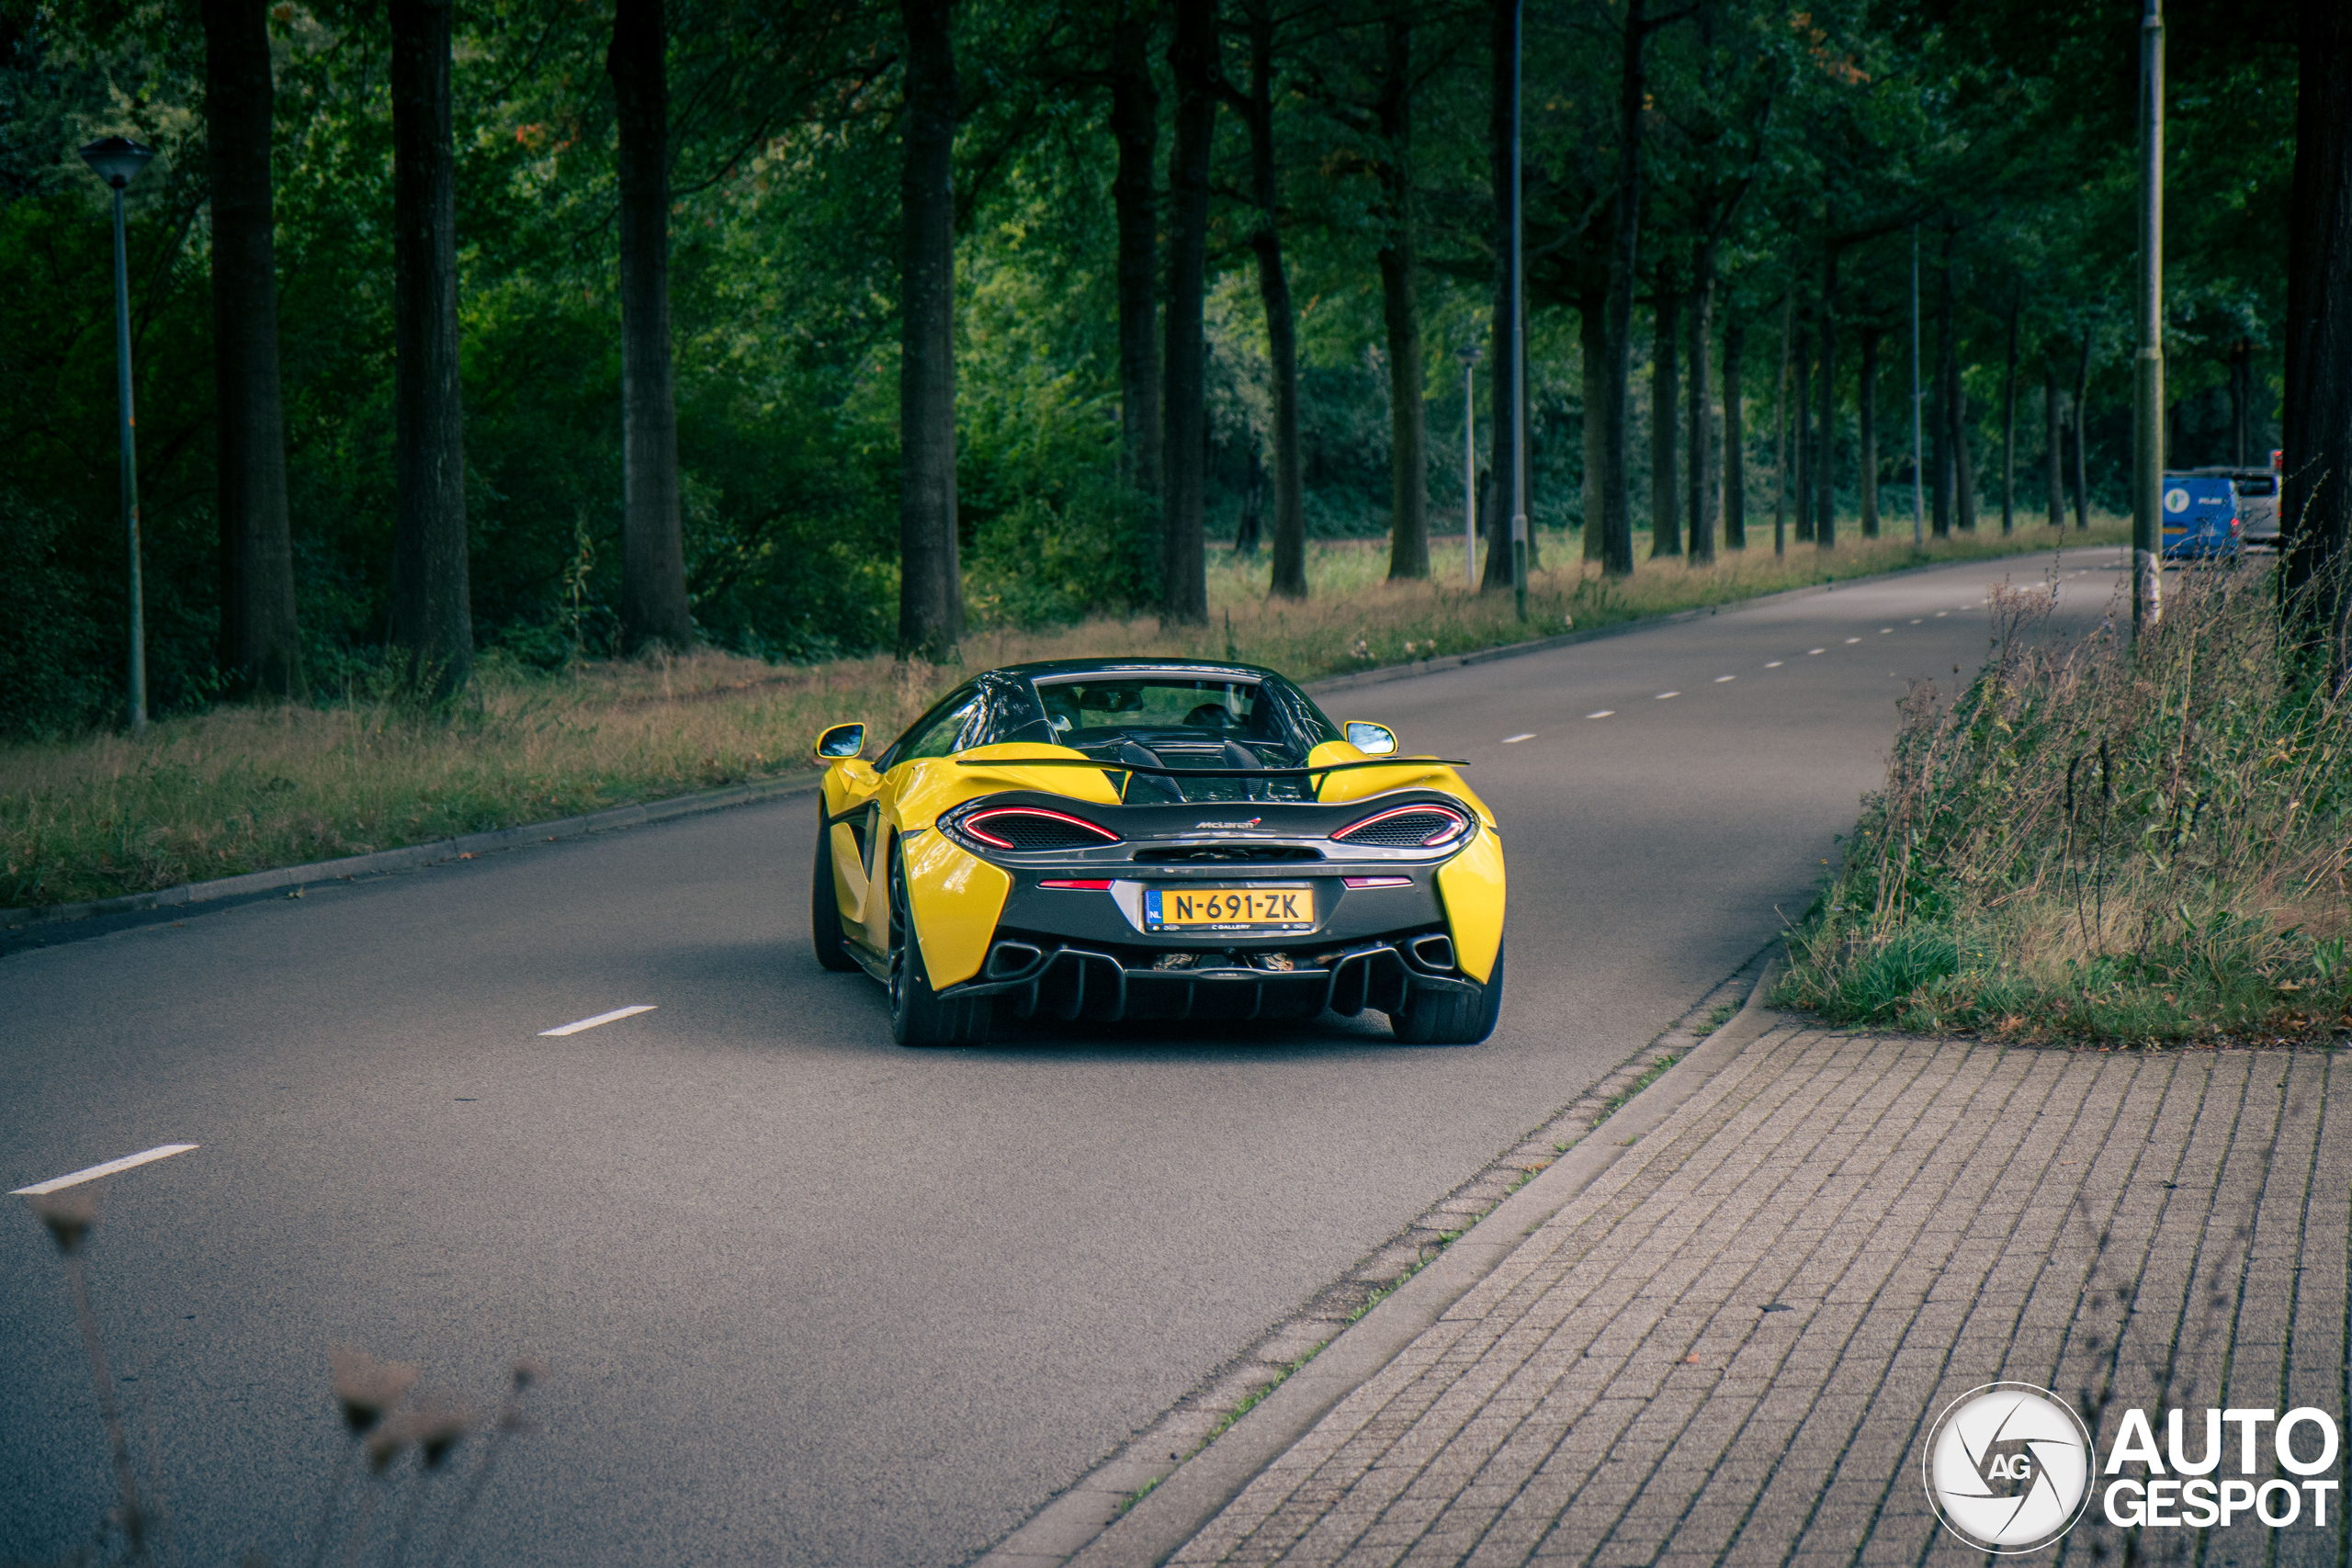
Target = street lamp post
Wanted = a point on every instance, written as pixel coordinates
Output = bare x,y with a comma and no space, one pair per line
1517,296
2148,422
117,161
1919,482
1468,355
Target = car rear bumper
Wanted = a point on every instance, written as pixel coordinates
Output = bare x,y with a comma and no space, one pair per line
1041,979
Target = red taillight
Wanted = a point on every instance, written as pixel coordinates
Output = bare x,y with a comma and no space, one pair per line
1103,886
1033,828
1406,828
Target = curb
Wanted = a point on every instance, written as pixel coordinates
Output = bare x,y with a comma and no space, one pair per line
1172,1513
411,855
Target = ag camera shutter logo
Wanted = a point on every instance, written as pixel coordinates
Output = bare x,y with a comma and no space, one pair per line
2008,1467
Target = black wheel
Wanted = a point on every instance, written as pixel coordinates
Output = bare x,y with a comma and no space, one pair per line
825,903
919,1015
1431,1018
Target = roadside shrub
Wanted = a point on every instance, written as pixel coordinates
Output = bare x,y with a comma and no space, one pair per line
2106,841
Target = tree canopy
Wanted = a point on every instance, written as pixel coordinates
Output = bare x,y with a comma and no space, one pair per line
1788,162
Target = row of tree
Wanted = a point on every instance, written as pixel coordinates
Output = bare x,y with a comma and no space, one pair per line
1067,198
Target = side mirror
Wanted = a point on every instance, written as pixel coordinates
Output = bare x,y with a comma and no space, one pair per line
842,740
1372,739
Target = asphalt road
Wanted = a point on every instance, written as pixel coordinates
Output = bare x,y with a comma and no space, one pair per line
805,1297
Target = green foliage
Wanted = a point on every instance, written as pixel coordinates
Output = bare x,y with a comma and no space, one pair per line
2112,843
1781,135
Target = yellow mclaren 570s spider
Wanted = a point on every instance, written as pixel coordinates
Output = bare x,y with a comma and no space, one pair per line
1102,840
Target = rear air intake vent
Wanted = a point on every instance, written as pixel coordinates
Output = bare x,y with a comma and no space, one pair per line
1030,829
1406,828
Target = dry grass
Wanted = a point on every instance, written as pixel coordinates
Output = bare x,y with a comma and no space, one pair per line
2107,843
242,788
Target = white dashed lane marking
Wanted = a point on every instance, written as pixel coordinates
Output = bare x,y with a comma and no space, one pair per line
1663,696
593,1023
1721,678
1810,651
1853,639
1515,740
1775,664
1604,712
160,1151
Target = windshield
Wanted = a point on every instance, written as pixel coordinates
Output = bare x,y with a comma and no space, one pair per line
1177,721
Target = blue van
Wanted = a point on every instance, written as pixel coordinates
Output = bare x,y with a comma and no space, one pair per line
2200,517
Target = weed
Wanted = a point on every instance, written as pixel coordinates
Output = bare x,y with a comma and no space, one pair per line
384,1423
1650,1074
2105,842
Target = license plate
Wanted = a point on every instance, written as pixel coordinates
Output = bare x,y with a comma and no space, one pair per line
1228,908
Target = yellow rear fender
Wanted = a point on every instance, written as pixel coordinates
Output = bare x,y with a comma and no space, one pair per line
926,788
1408,773
954,900
1470,886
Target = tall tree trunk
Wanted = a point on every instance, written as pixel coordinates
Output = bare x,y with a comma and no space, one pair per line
1192,60
433,634
2315,505
1781,428
2082,436
1704,491
1134,129
1734,437
1666,405
1825,482
1592,346
1251,525
1801,455
653,558
1408,457
2240,400
1939,421
1624,251
2053,441
1256,109
1866,408
1963,456
2009,424
930,579
260,649
1502,351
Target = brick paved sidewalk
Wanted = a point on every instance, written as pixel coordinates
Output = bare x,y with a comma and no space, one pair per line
1730,1347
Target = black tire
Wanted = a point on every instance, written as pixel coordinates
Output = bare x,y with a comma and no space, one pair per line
919,1015
825,904
1449,1018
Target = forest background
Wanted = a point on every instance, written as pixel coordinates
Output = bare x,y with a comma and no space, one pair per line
1726,203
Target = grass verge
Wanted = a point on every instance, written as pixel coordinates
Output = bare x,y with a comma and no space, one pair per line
245,788
2105,844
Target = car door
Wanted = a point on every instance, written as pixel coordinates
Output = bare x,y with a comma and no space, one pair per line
938,733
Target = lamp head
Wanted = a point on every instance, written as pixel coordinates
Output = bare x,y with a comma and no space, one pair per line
116,160
1469,354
